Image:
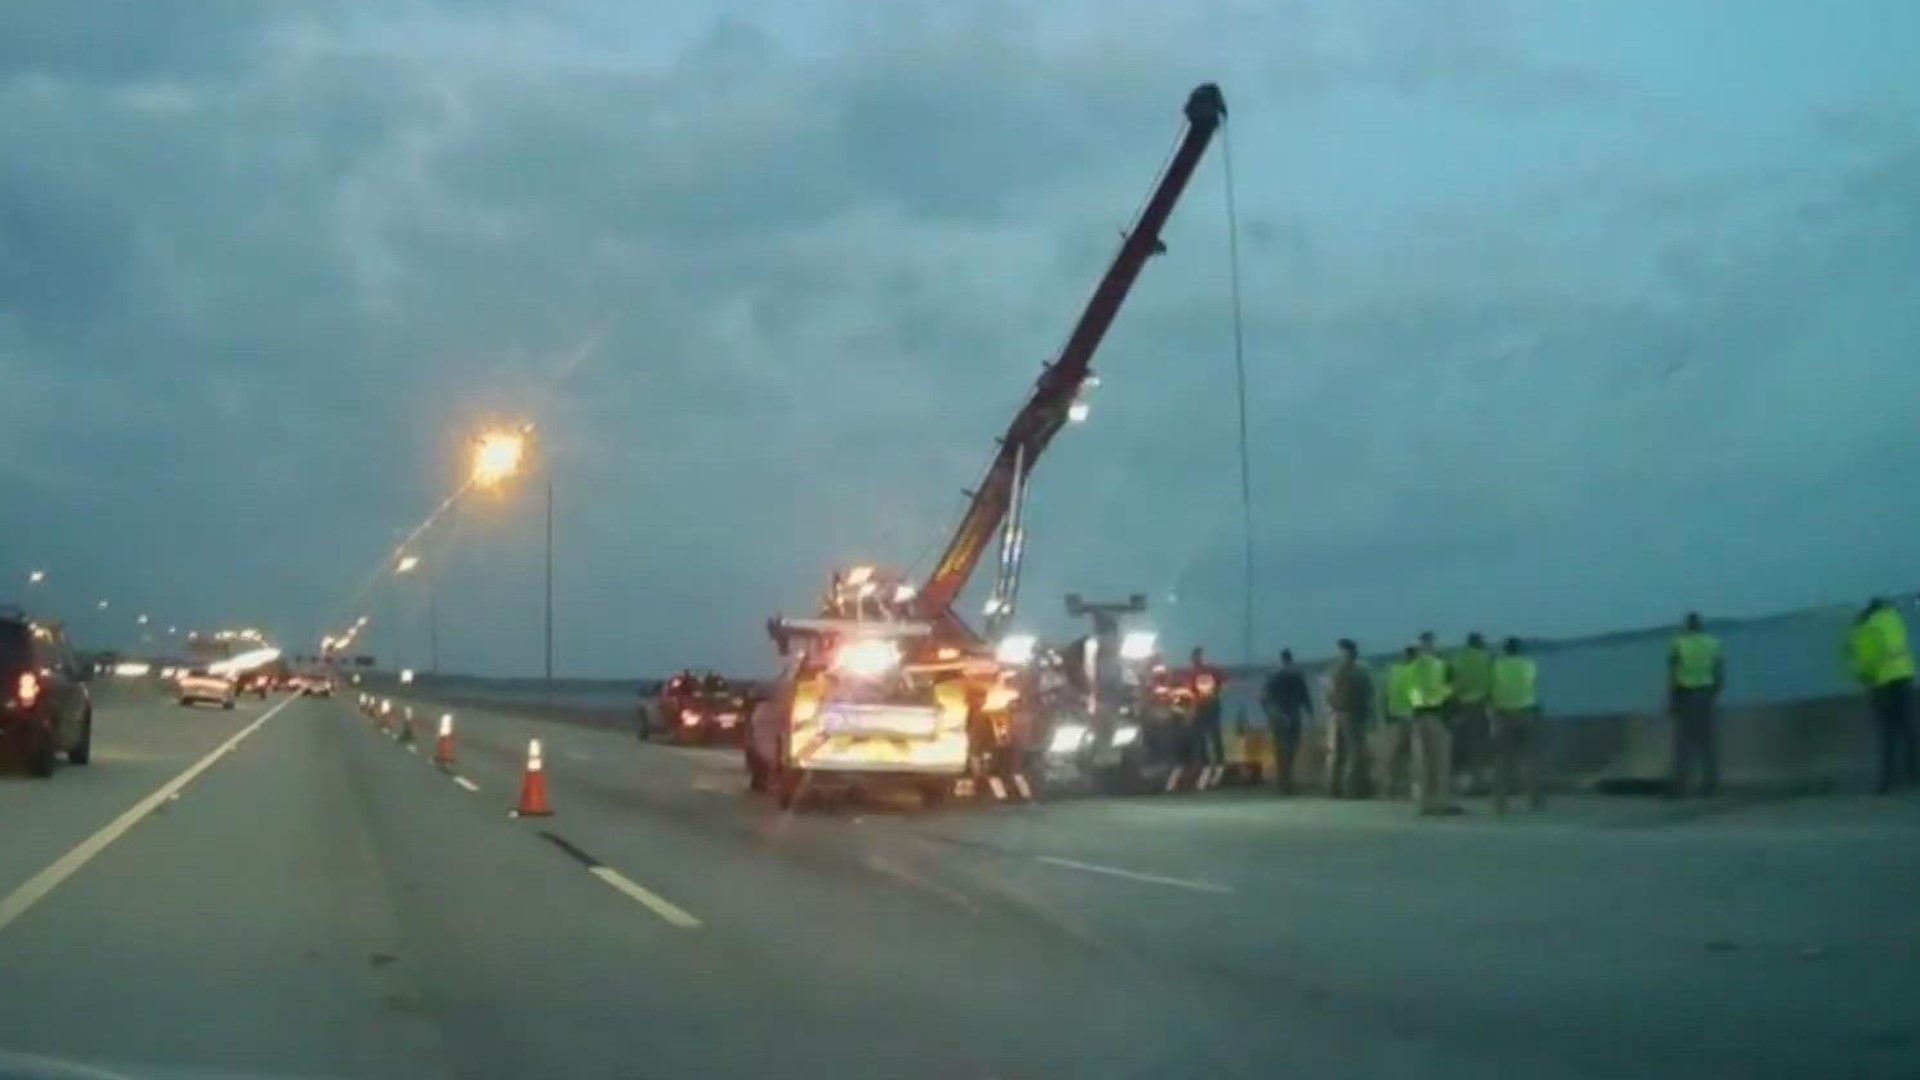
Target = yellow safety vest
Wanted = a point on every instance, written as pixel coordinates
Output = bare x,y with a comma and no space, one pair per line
1515,681
1880,650
1472,674
1430,686
1697,654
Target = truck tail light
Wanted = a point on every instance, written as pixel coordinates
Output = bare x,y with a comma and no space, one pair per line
28,690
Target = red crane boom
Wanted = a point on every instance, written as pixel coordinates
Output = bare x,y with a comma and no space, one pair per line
1060,383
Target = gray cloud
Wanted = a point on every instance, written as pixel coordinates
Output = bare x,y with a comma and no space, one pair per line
282,265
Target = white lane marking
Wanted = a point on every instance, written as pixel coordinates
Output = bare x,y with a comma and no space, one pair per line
466,783
412,749
901,873
21,900
1133,875
652,902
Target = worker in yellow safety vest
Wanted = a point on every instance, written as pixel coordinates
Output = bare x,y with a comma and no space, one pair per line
1472,666
1515,690
1396,737
1432,741
1697,672
1883,662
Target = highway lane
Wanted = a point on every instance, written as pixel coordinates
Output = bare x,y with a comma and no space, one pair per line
335,906
140,741
1552,944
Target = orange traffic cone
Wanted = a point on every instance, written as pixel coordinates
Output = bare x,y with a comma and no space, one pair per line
443,749
533,786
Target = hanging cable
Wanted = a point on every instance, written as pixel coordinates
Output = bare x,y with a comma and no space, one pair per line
1240,375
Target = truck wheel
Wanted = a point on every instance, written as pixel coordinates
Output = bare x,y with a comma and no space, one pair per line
82,751
933,794
756,773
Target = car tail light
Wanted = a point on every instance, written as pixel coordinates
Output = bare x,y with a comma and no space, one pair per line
28,690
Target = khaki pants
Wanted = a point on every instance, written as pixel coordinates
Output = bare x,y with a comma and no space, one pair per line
1516,757
1471,753
1393,746
1432,760
1347,757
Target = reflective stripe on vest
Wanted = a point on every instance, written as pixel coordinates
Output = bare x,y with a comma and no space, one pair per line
1514,683
1697,655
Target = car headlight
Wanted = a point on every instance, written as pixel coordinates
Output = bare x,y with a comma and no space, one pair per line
689,718
1125,735
1067,739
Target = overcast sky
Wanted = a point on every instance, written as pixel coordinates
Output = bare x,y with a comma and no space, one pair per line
1560,316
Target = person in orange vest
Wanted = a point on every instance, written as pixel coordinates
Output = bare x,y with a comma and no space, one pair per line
1206,682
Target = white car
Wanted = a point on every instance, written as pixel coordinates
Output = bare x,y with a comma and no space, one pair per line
199,684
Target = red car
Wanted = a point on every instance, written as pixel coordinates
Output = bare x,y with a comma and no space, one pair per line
697,709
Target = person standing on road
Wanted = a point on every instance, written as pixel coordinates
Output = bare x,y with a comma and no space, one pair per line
1206,682
1514,688
1397,739
1883,662
1697,671
1349,703
1432,740
1288,706
1472,666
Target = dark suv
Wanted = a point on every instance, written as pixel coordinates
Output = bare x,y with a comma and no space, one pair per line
45,709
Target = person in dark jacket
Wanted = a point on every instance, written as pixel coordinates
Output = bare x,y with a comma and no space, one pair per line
1288,705
1350,705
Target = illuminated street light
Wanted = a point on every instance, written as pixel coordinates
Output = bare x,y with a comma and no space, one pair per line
142,620
406,564
36,577
103,605
497,456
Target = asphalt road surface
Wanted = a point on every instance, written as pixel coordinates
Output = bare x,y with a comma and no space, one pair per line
283,891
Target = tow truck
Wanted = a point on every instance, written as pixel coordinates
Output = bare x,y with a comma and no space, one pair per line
888,684
1109,718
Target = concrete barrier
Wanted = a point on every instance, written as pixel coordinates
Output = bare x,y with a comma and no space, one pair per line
1803,747
1811,746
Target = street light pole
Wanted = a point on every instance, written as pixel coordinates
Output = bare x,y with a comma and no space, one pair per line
549,596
